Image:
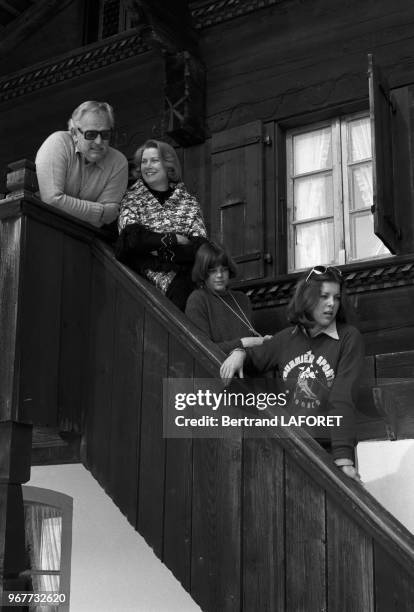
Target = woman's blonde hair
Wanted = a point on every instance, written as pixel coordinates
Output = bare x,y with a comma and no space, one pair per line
168,157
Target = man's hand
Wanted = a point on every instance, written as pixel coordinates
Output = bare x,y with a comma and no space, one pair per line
233,365
110,213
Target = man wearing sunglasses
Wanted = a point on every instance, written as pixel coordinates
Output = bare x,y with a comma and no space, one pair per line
78,172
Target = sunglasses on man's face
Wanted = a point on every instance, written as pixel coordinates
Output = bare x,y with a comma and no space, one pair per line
93,134
322,270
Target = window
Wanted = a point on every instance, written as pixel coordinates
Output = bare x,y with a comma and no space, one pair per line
116,16
330,194
48,535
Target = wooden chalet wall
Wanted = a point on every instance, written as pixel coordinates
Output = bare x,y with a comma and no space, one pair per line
274,64
269,67
252,524
281,61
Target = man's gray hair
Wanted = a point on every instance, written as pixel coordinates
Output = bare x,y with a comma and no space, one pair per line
92,107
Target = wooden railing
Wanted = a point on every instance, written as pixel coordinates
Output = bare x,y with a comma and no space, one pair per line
251,524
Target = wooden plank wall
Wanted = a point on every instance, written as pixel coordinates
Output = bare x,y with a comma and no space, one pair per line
298,58
54,329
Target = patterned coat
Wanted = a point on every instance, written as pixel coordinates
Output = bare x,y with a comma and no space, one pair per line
180,214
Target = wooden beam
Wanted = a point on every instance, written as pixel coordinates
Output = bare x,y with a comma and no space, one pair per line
10,9
28,22
10,236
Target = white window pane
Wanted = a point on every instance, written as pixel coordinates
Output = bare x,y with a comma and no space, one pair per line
312,151
361,186
50,544
45,582
364,243
359,134
313,196
314,244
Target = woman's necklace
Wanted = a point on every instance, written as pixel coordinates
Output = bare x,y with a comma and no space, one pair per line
243,317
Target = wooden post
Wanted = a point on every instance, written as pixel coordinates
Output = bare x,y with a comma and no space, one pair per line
15,452
15,436
21,178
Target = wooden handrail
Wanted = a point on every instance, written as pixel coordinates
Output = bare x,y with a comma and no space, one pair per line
355,500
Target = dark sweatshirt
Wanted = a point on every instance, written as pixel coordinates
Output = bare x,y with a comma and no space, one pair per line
216,320
320,376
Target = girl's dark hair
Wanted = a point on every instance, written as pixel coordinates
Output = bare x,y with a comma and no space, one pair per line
168,157
307,293
210,255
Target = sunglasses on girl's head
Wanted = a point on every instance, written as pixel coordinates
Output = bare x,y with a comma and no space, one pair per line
322,270
93,134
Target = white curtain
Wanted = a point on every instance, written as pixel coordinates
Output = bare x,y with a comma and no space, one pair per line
43,528
360,133
313,197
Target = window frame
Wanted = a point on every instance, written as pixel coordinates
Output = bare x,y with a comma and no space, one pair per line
346,164
341,213
63,503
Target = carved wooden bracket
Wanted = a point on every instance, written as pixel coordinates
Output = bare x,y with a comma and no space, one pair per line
184,104
171,30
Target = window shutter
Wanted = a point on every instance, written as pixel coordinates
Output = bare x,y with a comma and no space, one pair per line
237,196
381,109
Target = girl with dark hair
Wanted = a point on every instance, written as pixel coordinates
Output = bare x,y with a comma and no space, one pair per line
160,223
318,361
222,315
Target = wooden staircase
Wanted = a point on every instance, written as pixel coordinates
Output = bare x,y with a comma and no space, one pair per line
244,524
